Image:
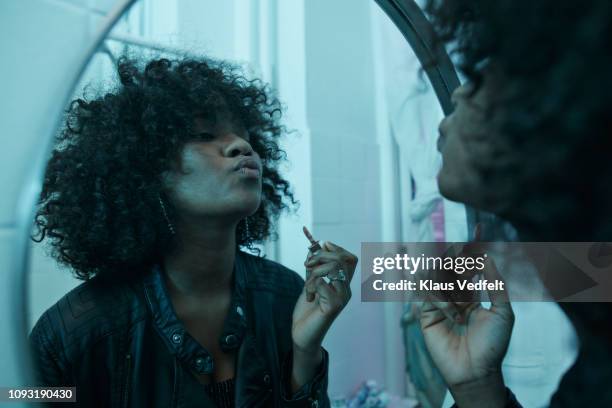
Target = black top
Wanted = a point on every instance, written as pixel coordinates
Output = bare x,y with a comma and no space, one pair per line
188,351
121,344
222,393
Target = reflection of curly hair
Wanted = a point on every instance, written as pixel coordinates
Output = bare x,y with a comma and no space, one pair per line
99,202
554,103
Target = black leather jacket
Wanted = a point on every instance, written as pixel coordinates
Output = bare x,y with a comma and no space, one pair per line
122,345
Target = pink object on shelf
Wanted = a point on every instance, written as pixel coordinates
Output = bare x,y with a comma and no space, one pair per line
437,220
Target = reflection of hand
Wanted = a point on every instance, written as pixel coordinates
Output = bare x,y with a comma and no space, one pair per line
468,342
458,296
318,305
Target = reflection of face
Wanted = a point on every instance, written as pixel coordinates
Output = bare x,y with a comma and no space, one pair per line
468,150
222,172
458,178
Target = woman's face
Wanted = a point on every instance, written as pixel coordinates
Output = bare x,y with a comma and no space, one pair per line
222,173
458,179
470,147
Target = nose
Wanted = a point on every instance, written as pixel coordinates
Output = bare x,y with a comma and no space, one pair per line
456,95
442,125
237,146
442,134
461,91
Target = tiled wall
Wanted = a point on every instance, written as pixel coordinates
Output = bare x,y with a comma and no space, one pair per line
341,98
44,47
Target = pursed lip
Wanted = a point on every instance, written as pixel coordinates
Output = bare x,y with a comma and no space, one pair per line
248,163
440,142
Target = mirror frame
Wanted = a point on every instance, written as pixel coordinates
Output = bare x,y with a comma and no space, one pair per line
409,18
418,31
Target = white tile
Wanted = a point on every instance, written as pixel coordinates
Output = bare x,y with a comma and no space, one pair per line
98,6
200,23
103,6
49,40
353,159
327,200
326,154
10,314
354,199
372,213
45,284
372,162
345,235
48,282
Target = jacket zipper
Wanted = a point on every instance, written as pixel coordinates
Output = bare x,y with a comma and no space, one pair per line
126,389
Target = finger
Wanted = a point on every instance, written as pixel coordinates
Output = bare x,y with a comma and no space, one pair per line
310,287
343,288
329,295
461,306
311,266
323,256
330,246
345,260
348,257
435,312
472,247
316,274
310,254
466,308
322,262
325,269
500,302
449,310
332,270
431,315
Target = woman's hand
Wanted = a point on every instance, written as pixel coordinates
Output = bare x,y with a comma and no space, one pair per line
318,306
468,342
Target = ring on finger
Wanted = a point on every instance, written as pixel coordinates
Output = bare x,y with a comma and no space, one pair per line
340,276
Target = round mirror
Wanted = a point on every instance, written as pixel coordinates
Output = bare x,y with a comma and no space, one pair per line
361,115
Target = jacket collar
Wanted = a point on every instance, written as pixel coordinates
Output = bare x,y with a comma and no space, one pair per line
173,332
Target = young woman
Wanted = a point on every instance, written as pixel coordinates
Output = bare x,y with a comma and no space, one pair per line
148,196
528,140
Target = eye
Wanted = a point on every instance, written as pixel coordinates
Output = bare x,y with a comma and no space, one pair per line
205,136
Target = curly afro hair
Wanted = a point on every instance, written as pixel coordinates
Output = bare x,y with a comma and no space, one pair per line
100,199
553,106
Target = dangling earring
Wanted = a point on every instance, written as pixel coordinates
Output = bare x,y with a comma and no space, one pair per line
246,228
163,207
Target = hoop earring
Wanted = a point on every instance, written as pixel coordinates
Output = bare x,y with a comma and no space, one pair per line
163,207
